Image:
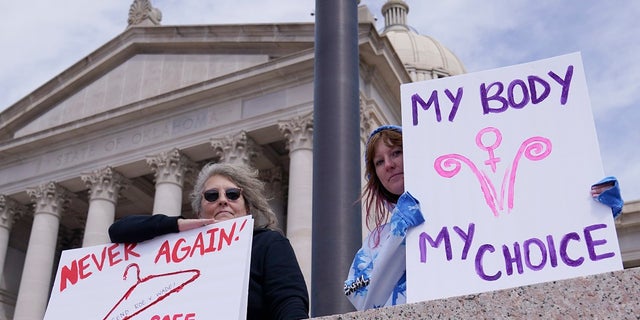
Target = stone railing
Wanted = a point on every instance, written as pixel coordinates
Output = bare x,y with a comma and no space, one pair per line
612,295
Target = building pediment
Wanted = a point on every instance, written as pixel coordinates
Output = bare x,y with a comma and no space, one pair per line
147,62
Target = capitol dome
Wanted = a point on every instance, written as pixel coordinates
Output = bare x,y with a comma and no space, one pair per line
423,57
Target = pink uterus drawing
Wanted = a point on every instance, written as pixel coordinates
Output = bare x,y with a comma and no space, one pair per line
534,149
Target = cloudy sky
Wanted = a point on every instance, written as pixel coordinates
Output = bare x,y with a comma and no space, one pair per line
42,38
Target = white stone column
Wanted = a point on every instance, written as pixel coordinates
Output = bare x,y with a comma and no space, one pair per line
50,202
299,134
104,188
10,212
170,170
237,149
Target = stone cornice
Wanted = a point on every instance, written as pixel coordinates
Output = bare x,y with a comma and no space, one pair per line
232,86
294,40
271,39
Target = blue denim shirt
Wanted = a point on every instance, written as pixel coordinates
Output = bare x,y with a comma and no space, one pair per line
377,277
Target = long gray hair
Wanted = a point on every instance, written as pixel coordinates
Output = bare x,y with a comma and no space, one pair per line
252,191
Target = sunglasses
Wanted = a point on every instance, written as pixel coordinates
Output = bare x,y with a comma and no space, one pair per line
232,194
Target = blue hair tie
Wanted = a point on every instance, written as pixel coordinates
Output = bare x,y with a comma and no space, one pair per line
382,128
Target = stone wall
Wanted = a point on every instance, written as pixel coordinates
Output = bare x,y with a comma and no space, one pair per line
612,295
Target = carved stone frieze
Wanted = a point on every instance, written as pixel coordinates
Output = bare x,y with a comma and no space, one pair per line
298,131
142,13
239,148
105,183
367,120
10,211
50,198
171,167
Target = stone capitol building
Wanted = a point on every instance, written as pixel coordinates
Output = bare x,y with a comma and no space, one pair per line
124,131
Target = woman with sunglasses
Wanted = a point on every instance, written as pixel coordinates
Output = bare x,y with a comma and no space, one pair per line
277,289
377,277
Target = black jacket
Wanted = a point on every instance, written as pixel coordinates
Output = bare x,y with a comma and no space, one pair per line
276,286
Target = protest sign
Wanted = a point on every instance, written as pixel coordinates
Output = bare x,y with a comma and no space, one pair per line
502,162
196,274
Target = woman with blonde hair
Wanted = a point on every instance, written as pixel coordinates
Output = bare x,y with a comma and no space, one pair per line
222,191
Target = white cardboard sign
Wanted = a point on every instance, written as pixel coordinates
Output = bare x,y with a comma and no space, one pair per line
197,274
502,162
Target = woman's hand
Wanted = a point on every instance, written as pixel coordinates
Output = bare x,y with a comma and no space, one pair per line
607,192
188,224
598,189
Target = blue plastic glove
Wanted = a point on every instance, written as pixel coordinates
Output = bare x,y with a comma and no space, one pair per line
611,197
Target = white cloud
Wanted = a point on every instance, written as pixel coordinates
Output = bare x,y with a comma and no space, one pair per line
46,37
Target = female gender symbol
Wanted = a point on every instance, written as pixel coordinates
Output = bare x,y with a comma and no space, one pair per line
493,160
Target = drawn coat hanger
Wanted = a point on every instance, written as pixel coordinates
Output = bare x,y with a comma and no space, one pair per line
148,291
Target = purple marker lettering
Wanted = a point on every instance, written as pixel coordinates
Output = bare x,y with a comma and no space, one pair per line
443,235
479,269
466,237
527,253
565,83
456,102
535,98
524,96
563,250
509,259
484,98
591,244
417,100
553,257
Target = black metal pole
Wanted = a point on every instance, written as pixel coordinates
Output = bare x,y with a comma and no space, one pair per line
336,154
